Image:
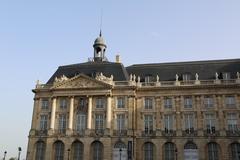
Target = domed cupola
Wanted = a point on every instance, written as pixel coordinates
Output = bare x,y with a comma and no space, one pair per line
99,49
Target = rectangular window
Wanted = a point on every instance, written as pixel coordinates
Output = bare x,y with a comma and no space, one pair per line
148,103
189,123
188,102
63,103
43,122
120,102
168,102
148,124
81,122
232,122
208,102
230,101
45,103
100,103
99,121
121,122
62,123
210,123
168,123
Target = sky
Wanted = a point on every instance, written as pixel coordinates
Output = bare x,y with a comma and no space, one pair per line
38,36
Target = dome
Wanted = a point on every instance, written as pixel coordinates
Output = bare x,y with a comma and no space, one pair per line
99,41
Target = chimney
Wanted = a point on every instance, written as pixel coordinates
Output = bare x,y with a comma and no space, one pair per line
118,58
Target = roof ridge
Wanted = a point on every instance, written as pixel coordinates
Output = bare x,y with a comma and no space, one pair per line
187,62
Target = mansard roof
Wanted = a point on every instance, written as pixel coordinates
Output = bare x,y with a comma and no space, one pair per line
166,71
205,69
91,69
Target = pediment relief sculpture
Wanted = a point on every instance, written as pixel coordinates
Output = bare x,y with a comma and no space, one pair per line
80,81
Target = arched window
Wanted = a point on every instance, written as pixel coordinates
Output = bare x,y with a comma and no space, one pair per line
169,151
77,149
190,145
40,150
213,151
97,150
235,151
148,151
58,150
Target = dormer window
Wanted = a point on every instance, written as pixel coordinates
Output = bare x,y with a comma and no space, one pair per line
226,76
186,77
148,78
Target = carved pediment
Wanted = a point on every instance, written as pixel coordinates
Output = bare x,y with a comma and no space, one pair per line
80,81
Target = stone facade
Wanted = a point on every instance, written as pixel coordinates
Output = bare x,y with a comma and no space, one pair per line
47,102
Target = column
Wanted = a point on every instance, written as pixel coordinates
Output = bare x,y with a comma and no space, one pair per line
109,112
89,120
71,107
54,104
34,114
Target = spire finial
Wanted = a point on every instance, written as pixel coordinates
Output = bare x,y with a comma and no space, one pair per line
100,34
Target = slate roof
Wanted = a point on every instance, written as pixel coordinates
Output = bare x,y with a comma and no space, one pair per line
205,69
166,71
91,69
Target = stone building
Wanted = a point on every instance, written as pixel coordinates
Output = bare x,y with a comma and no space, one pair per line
101,110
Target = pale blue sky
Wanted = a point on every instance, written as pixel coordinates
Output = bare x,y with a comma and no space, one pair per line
38,36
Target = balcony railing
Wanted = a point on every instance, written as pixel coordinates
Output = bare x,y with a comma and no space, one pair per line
120,132
79,132
41,132
162,83
148,133
189,132
169,133
233,133
211,133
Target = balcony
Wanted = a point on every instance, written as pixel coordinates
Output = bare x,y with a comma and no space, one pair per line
168,133
189,132
79,133
120,133
233,133
211,132
99,132
148,133
41,132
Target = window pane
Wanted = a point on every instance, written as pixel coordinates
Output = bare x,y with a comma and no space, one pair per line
168,102
120,122
213,151
208,101
188,102
169,151
148,103
97,149
43,122
148,124
45,104
148,151
230,101
77,151
40,150
63,103
81,122
62,123
235,151
99,122
100,103
59,151
120,102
